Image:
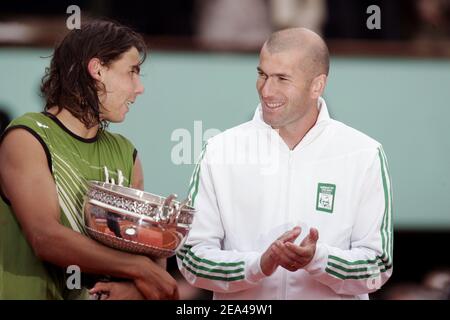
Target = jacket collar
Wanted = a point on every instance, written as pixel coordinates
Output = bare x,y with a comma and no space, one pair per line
322,120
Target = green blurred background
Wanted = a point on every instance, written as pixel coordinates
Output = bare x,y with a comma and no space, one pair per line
403,103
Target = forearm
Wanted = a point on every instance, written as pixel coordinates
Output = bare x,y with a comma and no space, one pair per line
63,247
350,272
72,248
219,270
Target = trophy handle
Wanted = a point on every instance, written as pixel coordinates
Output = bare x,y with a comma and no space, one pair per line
167,209
178,209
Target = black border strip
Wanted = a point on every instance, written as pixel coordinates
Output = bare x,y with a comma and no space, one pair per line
134,155
62,126
47,152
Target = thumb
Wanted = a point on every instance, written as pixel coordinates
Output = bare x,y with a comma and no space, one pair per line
311,238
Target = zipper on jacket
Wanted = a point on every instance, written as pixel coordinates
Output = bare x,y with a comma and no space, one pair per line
287,215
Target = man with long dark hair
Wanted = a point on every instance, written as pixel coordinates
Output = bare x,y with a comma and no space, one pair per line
47,158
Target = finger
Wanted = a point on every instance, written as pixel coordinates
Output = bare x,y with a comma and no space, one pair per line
171,292
106,296
287,252
297,256
279,256
301,253
169,289
288,264
291,235
100,287
176,296
314,234
311,238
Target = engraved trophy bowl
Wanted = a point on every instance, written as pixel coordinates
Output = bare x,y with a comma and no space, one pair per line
136,221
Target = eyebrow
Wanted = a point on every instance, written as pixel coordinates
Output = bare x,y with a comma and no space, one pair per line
282,75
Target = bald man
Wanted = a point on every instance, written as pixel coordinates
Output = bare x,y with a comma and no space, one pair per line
292,204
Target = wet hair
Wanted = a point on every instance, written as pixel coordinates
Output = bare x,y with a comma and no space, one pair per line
67,82
5,119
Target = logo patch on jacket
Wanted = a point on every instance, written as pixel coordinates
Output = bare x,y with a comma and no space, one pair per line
325,197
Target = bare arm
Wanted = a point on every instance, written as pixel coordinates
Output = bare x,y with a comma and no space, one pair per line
137,180
26,181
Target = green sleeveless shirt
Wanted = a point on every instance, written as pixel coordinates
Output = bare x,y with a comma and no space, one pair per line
73,161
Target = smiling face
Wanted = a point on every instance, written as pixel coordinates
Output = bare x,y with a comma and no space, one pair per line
122,85
283,88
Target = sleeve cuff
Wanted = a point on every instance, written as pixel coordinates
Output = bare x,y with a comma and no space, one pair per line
319,261
254,273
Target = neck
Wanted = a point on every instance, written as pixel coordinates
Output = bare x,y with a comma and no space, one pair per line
74,124
293,133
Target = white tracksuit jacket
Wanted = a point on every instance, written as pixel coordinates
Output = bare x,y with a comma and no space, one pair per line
249,188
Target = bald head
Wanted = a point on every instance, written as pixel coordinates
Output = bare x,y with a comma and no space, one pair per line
312,50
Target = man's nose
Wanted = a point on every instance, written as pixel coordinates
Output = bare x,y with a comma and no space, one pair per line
267,88
139,87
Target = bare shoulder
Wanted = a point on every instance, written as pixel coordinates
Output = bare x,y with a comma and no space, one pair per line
20,149
25,177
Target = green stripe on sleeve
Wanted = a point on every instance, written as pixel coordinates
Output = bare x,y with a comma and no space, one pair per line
226,271
207,276
367,267
193,185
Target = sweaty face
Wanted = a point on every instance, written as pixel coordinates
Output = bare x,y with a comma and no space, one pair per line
122,85
283,88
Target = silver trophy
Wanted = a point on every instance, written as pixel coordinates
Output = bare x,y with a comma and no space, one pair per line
136,221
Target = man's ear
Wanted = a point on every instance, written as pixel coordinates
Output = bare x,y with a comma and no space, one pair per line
318,86
95,69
